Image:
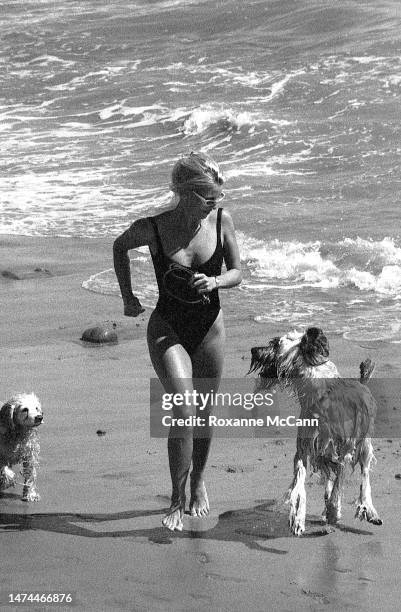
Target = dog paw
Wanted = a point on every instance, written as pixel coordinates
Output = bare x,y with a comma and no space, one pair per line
297,526
364,513
296,522
7,478
31,497
361,512
297,513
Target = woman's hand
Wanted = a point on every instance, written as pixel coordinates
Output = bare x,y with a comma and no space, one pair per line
204,284
133,307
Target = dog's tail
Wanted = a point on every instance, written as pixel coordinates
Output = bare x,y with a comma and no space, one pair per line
366,369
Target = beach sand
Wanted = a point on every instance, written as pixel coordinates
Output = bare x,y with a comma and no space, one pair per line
96,533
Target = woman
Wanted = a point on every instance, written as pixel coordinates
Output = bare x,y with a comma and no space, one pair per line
186,332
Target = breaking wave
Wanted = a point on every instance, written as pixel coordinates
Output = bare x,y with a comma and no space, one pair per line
366,265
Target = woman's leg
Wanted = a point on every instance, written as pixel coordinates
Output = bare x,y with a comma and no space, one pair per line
173,366
207,367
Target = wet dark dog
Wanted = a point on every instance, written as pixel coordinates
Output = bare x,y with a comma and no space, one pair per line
344,409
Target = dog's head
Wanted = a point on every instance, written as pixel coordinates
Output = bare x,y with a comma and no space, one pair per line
21,412
284,358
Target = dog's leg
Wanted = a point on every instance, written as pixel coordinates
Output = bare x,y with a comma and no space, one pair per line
365,508
333,502
328,481
297,498
7,477
29,492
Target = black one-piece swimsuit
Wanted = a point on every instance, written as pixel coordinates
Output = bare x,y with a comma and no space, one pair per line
190,321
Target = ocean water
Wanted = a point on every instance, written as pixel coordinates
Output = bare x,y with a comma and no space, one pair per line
298,100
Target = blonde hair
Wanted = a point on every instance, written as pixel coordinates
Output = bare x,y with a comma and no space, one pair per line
195,170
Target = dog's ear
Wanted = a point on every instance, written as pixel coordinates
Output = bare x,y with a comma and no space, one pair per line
264,359
314,346
256,358
7,417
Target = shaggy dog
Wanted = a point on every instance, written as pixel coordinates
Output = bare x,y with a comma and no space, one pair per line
19,442
345,410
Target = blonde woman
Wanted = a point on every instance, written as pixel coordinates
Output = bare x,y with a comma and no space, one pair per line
188,245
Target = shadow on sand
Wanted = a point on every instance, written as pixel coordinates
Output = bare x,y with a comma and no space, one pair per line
249,526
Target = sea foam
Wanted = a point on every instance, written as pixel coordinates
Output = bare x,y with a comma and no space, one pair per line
324,265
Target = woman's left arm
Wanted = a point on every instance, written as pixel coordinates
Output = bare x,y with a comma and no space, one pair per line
233,275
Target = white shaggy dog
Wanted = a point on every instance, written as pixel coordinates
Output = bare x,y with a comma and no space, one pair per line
345,410
19,418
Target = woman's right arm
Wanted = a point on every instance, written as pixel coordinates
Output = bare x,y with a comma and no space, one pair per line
139,234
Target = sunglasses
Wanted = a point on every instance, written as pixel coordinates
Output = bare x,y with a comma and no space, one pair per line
210,202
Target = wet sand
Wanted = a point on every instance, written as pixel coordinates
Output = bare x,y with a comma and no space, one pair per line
96,533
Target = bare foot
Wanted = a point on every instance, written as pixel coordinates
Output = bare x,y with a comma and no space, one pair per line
173,518
199,503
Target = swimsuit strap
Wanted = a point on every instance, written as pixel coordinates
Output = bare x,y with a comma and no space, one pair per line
158,239
218,227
